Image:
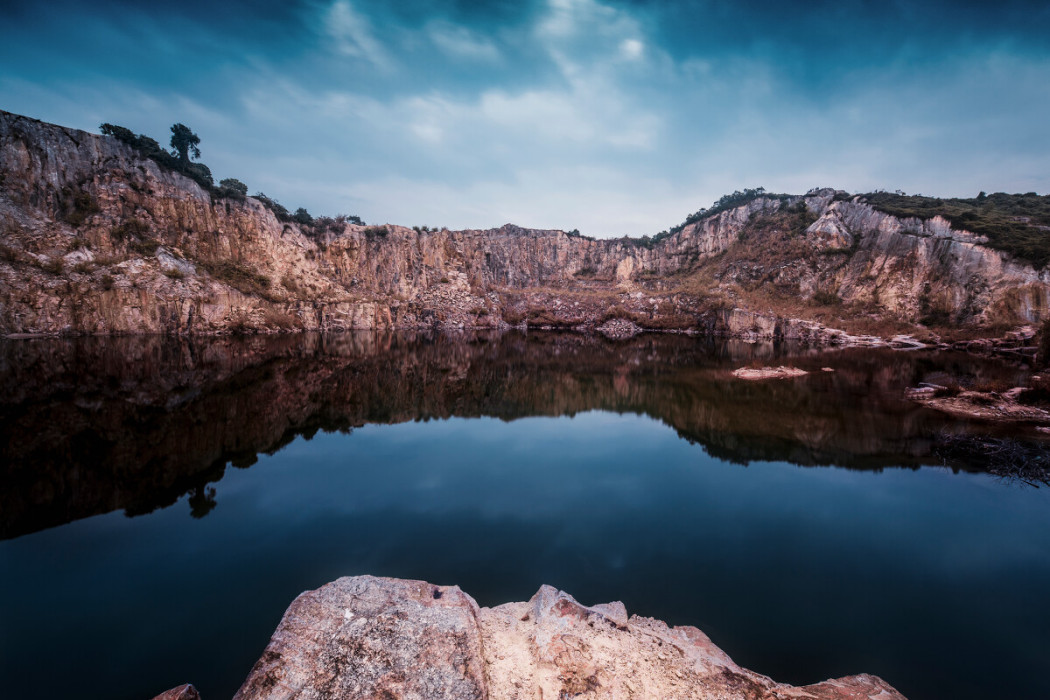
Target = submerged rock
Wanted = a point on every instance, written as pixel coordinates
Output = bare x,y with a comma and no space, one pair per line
367,637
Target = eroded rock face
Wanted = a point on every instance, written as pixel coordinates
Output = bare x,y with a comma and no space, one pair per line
97,239
366,637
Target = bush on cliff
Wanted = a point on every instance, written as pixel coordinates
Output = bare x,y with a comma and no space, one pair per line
233,188
183,144
1018,224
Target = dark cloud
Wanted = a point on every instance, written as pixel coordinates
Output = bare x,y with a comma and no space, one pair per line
612,116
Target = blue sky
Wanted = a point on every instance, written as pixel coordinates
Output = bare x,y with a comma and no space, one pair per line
611,117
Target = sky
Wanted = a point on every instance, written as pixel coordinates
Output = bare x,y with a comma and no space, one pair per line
614,117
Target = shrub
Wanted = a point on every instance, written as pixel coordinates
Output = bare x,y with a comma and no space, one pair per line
376,231
302,217
199,173
129,228
824,298
53,266
174,273
80,205
233,188
107,282
273,205
1013,223
83,267
240,277
147,247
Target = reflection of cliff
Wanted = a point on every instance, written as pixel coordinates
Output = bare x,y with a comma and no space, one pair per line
93,425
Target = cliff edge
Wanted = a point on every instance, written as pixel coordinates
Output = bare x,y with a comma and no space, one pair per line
96,238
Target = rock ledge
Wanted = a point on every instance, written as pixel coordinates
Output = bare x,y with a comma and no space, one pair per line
367,637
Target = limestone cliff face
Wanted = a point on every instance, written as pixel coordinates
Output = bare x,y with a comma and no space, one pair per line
96,239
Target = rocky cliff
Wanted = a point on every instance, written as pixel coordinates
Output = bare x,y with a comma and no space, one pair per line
95,238
366,637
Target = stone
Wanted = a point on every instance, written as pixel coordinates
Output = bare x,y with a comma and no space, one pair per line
782,372
183,692
366,637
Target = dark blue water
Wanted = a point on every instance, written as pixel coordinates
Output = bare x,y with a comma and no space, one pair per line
934,579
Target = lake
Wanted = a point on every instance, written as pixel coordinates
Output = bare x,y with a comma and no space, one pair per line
164,500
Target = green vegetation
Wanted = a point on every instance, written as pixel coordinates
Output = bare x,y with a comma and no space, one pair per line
78,206
232,188
146,247
240,277
129,228
183,141
185,146
825,298
724,203
1018,224
376,232
575,233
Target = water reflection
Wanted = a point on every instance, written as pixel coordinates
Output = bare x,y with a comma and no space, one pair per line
93,425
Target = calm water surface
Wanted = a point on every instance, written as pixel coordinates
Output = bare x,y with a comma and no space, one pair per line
807,526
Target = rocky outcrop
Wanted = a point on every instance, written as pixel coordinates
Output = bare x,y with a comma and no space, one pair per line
367,637
96,239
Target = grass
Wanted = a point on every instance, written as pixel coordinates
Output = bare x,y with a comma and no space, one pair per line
1018,224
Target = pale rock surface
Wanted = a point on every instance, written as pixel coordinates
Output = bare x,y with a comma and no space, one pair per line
366,637
150,251
780,372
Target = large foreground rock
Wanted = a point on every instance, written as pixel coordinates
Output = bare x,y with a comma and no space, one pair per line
367,637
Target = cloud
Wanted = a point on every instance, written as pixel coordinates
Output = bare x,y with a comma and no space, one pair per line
352,34
461,42
613,118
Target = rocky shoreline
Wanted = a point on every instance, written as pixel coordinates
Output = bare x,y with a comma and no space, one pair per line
368,637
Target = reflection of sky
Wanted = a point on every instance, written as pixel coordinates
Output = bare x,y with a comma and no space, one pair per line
801,573
611,116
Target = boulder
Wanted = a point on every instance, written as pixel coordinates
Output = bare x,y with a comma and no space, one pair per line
367,637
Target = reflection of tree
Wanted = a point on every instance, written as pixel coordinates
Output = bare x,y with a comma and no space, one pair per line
202,501
168,427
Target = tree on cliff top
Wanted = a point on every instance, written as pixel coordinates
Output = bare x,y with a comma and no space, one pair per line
184,142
